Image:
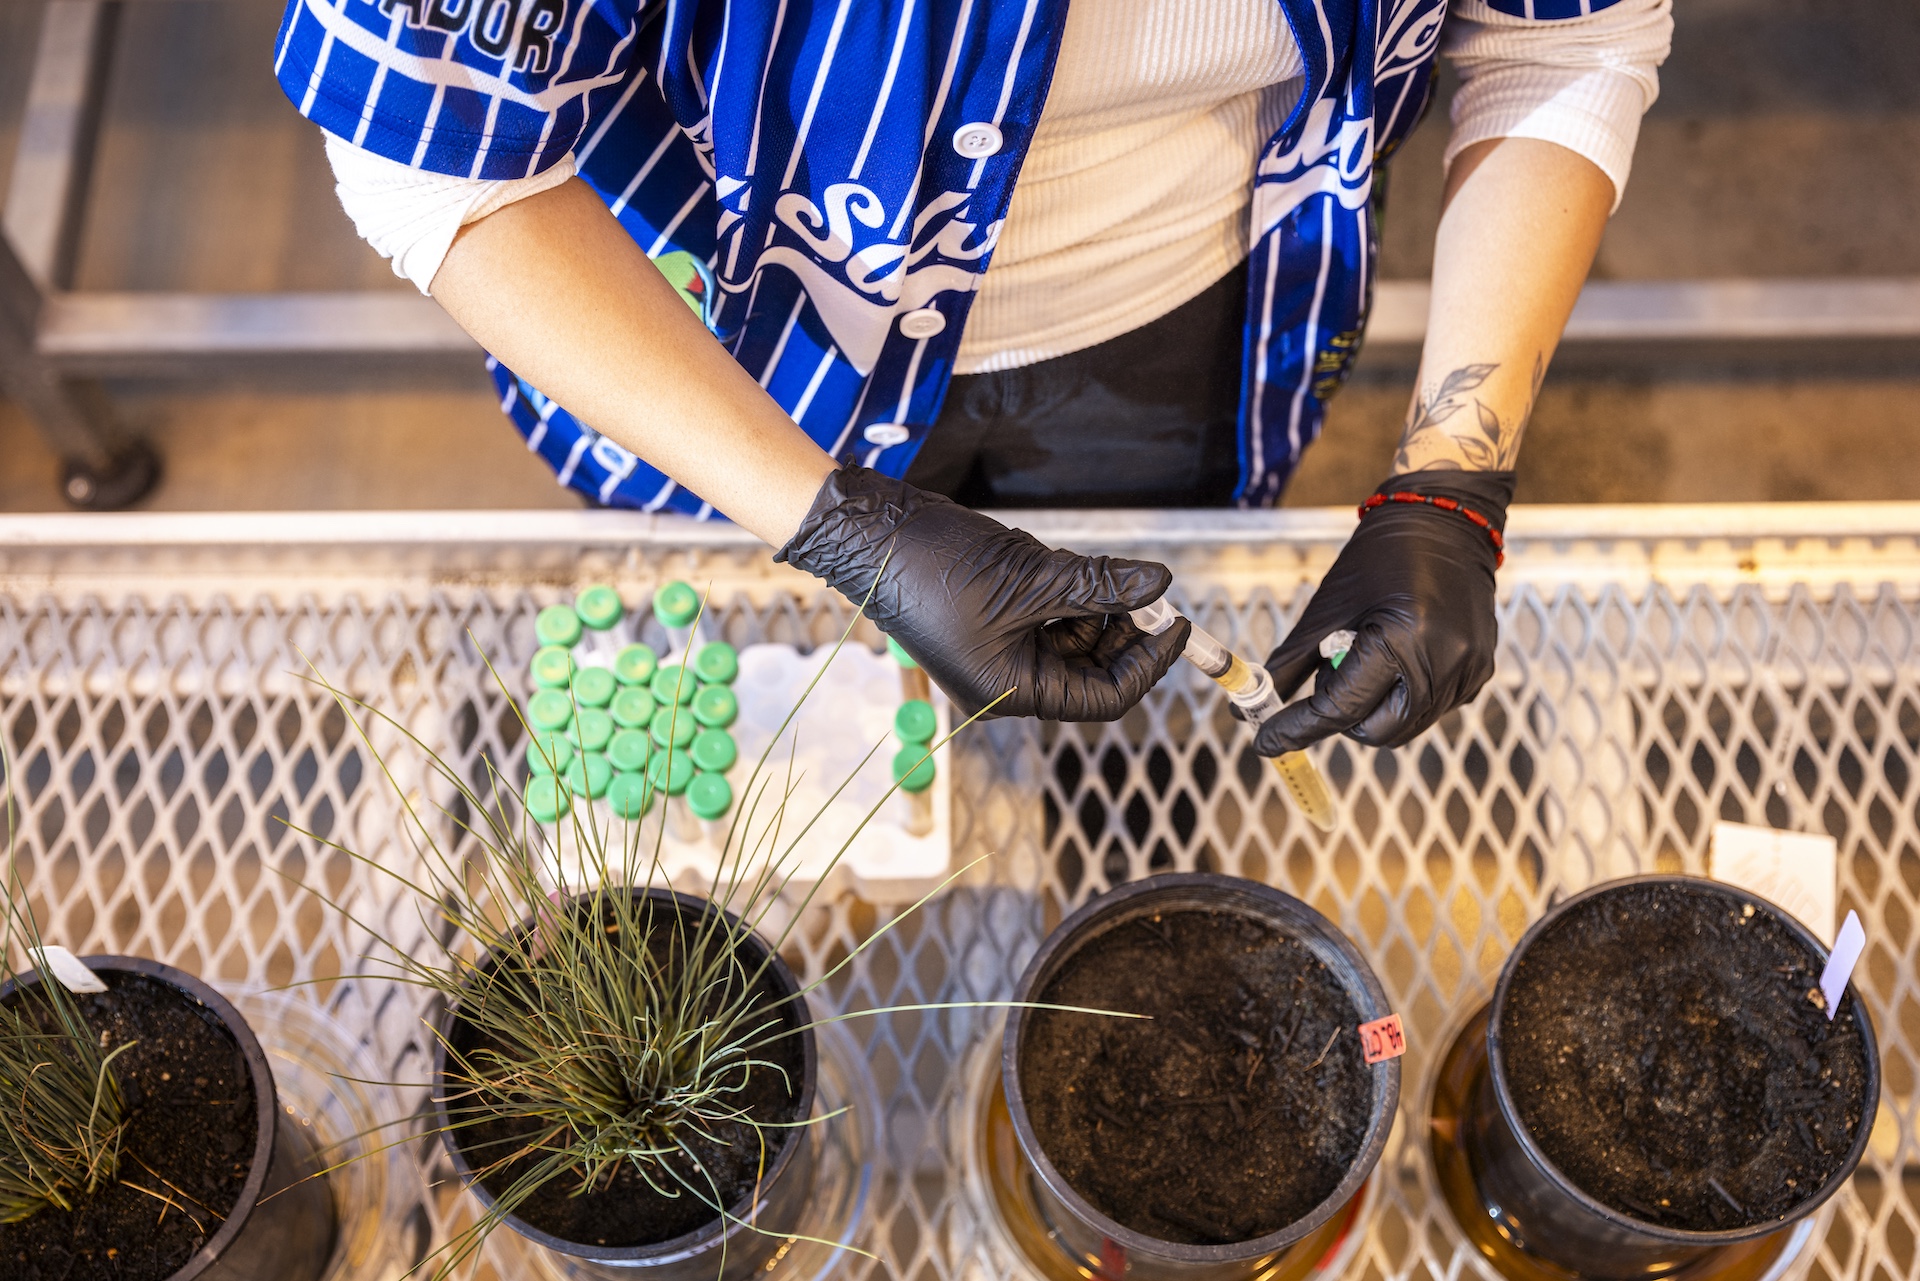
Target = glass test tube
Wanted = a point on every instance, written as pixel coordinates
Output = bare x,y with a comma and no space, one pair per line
1250,688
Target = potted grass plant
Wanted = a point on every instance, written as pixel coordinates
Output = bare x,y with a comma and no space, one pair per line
1227,1133
623,1074
1664,1080
142,1138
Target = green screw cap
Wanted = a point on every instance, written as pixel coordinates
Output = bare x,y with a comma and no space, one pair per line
550,709
635,664
599,607
547,798
715,706
668,687
675,604
632,708
592,730
673,723
557,625
589,775
717,663
629,795
670,771
915,722
709,795
593,687
552,667
913,768
713,750
549,752
900,656
629,750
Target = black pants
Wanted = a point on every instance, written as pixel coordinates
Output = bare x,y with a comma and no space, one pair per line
1148,419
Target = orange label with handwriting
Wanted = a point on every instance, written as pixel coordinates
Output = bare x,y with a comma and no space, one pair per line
1382,1039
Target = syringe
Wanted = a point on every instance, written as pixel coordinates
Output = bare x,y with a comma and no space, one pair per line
1249,687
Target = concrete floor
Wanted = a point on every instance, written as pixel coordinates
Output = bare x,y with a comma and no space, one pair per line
1782,145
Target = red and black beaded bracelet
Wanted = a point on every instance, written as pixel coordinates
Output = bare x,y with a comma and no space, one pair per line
1445,505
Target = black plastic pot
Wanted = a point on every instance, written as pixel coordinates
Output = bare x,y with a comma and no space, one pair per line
779,1210
283,1223
1541,1212
1102,1246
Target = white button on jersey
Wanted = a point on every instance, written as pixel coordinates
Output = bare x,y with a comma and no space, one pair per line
886,434
977,141
924,323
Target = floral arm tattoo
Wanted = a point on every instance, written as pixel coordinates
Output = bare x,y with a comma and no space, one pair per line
1439,437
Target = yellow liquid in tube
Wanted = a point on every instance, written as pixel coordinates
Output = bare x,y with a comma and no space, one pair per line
1251,690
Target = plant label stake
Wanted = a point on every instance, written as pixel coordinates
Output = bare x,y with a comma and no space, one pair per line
1382,1039
1840,962
72,974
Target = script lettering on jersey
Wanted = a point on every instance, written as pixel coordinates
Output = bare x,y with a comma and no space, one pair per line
519,31
860,267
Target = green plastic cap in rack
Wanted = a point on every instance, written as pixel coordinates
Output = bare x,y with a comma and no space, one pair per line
589,775
913,768
670,771
717,663
715,706
915,721
599,607
629,750
675,604
549,752
713,750
673,723
552,667
550,709
548,799
632,708
636,664
670,687
592,730
629,795
557,625
900,656
593,687
709,795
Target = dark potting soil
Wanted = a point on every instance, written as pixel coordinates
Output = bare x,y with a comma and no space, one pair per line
1670,1052
625,1211
193,1129
1233,1113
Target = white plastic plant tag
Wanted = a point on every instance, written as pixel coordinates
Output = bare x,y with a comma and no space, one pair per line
1840,962
68,969
1792,869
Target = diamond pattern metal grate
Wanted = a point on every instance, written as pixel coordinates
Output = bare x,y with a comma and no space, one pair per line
164,740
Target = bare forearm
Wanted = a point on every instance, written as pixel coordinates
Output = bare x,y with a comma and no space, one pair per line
1518,232
559,292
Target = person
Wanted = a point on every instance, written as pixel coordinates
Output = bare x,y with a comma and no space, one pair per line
827,267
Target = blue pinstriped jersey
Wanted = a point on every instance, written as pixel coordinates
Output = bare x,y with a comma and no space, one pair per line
844,170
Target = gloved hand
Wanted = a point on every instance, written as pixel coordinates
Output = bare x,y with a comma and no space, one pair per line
1415,583
984,608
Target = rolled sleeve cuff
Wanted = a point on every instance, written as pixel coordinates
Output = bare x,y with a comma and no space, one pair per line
411,216
1594,112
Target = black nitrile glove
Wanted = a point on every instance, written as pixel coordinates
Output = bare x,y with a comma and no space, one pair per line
1415,583
984,608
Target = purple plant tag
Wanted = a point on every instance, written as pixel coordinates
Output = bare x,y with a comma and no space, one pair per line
1840,962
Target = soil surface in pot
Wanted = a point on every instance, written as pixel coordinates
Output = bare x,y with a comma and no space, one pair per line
191,1139
1669,1050
626,1211
1233,1113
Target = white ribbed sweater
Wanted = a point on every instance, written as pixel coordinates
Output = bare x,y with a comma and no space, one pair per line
1134,195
